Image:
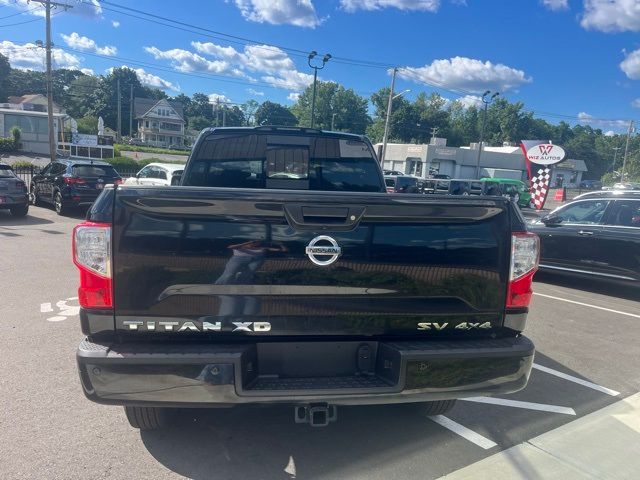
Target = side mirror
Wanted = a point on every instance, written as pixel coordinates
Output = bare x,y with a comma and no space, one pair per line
551,220
175,179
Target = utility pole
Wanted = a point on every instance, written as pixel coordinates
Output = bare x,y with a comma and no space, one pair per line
626,150
434,131
119,111
131,111
615,157
333,121
385,137
325,59
224,116
484,124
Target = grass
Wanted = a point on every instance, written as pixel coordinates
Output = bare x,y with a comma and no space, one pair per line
139,148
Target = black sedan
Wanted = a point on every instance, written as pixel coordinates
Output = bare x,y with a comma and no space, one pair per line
594,236
72,183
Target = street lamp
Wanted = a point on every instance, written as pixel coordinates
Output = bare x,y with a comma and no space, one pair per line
392,97
325,59
484,123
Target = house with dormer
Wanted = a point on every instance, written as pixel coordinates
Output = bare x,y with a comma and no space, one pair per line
160,122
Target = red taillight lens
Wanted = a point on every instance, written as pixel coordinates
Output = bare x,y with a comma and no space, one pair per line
117,181
73,180
92,255
525,253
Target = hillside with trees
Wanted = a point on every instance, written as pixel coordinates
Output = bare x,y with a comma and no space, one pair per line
87,97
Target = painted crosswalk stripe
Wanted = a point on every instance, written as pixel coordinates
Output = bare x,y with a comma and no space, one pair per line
542,407
463,431
587,305
577,380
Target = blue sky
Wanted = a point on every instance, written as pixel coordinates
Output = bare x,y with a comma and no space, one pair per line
578,59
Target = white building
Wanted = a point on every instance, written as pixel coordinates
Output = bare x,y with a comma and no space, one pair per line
33,125
160,122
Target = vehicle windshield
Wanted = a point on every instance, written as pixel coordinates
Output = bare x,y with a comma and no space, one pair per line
94,171
6,171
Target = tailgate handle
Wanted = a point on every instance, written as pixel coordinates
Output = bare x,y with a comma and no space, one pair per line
313,217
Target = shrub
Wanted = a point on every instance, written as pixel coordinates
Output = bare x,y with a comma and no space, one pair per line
16,134
22,164
7,145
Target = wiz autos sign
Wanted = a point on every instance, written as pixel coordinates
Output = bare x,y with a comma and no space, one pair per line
545,154
540,155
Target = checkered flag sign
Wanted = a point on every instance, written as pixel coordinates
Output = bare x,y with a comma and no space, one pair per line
540,188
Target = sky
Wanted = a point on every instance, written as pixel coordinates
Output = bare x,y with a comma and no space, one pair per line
572,60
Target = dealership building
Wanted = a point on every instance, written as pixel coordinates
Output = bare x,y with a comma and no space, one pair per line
507,161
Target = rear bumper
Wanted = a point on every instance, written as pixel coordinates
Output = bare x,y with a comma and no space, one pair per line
10,200
200,375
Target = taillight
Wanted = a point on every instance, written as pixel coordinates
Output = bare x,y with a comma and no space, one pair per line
117,181
92,255
525,253
73,180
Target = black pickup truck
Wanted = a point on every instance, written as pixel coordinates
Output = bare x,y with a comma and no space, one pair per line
280,271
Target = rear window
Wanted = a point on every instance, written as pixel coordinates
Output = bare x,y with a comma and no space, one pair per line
286,162
94,171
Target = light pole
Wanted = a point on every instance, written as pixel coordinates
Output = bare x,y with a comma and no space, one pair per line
387,120
325,59
484,123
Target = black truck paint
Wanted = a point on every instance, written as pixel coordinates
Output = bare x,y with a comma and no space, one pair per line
217,301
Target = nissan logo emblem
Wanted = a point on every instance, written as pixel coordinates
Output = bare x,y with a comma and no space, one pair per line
322,254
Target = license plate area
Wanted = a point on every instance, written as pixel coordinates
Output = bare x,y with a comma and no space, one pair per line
305,368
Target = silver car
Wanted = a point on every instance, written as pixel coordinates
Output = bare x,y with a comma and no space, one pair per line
14,195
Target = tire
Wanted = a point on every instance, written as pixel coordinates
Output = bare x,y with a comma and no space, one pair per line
439,407
58,204
146,418
34,198
20,211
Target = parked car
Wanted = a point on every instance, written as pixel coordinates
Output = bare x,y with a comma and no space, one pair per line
401,184
13,192
244,286
70,184
626,186
516,190
597,235
155,174
393,173
591,185
608,194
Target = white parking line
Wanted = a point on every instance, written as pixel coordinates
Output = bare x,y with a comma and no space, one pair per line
463,431
543,407
45,307
587,305
577,380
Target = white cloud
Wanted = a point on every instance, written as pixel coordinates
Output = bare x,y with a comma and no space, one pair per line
609,133
611,15
87,71
411,5
467,74
636,103
470,101
80,42
293,96
255,92
275,66
115,23
29,56
300,13
631,65
89,9
219,97
150,80
587,119
556,5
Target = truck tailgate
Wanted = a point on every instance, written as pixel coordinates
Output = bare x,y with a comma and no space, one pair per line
217,262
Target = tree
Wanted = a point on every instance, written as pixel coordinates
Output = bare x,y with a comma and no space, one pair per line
81,96
249,109
350,109
88,124
230,116
270,113
199,122
5,69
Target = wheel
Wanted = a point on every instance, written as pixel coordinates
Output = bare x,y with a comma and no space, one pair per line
20,211
33,195
439,407
146,418
61,208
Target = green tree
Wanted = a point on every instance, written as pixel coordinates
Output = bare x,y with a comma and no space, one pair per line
249,109
349,108
88,124
81,96
270,113
5,70
199,122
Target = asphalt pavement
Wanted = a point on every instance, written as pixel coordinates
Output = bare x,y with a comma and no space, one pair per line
588,354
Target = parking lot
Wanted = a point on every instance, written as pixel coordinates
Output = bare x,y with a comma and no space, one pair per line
588,351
